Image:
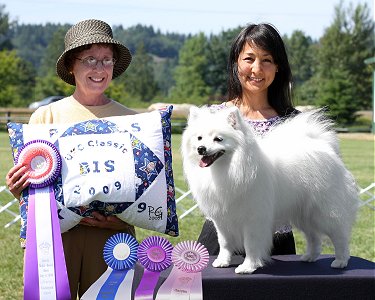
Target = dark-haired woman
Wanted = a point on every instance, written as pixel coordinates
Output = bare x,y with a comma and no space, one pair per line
259,85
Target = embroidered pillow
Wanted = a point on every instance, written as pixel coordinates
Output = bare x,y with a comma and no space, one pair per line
118,165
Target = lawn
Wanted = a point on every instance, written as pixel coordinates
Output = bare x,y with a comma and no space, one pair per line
358,155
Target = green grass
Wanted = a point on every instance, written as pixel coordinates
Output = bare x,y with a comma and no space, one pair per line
358,155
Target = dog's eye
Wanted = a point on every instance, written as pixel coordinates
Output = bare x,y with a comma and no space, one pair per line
199,138
218,139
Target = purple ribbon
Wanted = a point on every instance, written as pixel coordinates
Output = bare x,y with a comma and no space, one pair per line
145,290
154,253
31,277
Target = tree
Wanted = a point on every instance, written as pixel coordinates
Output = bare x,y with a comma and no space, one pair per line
5,24
300,49
47,82
190,72
16,80
117,90
50,85
31,40
300,56
218,49
139,77
361,30
341,71
52,52
157,44
163,71
338,94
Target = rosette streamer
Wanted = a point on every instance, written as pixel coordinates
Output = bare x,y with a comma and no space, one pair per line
45,270
120,254
154,254
189,258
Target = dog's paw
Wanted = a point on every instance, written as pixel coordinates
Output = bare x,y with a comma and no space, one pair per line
244,269
219,263
339,263
309,258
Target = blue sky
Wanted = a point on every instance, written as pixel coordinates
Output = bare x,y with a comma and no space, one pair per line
188,16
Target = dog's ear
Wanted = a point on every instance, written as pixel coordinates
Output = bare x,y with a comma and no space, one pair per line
234,117
193,112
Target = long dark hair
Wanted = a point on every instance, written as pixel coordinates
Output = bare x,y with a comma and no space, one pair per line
266,37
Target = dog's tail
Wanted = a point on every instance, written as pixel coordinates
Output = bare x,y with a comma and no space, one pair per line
314,124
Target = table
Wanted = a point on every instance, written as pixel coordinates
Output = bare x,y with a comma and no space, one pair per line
286,277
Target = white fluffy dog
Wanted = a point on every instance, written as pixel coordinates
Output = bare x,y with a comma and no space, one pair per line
249,186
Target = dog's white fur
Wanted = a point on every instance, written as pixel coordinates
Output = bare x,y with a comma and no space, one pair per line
294,174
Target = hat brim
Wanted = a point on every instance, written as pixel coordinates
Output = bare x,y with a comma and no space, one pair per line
122,62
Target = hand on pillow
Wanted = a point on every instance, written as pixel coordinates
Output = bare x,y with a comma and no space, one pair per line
107,222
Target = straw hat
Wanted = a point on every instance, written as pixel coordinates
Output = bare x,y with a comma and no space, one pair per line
91,32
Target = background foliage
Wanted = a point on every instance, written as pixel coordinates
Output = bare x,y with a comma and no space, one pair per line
181,68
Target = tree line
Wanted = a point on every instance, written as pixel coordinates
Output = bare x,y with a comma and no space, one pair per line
177,68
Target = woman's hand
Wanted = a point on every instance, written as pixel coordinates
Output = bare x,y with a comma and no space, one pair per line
17,180
107,222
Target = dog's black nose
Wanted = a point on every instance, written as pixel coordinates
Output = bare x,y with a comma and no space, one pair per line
202,150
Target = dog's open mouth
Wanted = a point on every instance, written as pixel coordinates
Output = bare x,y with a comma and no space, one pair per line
208,160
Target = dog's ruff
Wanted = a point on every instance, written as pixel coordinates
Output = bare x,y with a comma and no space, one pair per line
249,185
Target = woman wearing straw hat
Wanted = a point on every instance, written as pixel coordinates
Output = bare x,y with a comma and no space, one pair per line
91,59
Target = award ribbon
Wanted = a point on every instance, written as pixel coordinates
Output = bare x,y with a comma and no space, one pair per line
45,270
154,253
43,162
120,254
185,280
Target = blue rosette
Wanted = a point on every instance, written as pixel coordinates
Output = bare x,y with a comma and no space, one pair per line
120,254
120,251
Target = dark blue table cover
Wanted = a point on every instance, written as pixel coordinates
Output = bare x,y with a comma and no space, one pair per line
286,277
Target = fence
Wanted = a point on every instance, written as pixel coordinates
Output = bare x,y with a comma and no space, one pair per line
8,200
367,198
22,115
366,192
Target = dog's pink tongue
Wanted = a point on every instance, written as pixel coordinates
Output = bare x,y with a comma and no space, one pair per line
204,162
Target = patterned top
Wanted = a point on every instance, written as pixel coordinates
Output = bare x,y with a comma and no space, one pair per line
260,128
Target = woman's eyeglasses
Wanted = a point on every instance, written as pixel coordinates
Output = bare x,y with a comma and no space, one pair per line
92,62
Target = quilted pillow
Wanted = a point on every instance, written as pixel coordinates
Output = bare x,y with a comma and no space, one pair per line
118,165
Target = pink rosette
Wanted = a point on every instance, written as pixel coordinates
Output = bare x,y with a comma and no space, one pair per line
154,253
43,162
184,281
190,256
